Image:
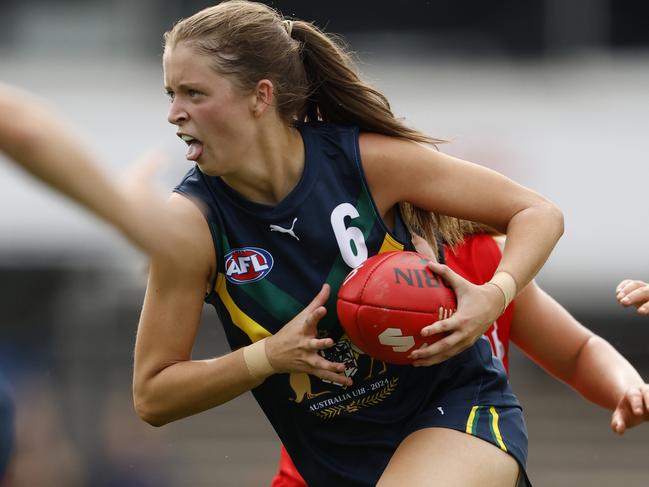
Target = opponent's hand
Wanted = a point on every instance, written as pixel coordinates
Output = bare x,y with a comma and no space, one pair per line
423,247
477,308
139,178
632,409
295,347
633,293
147,219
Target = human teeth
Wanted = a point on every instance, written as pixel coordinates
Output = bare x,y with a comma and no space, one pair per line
187,138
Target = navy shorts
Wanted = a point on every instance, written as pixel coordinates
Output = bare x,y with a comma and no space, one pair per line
477,400
468,393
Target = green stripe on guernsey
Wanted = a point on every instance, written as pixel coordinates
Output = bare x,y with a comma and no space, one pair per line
264,291
240,319
285,306
492,419
495,430
264,288
220,237
365,222
472,421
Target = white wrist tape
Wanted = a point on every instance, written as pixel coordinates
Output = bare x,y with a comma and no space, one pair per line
257,361
505,282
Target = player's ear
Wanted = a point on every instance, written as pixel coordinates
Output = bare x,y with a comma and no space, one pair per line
263,97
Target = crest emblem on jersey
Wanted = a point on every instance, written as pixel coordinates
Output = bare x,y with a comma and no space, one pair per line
247,264
342,352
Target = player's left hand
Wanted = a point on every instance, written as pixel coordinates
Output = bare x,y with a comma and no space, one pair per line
632,409
477,308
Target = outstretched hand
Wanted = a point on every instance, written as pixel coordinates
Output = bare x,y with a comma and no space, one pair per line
477,308
633,293
632,409
147,219
295,347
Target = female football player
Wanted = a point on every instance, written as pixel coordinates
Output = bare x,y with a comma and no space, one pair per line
302,172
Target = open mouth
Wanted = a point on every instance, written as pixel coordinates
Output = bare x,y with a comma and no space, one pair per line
195,147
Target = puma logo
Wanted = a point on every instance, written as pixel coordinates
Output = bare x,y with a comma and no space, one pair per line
277,228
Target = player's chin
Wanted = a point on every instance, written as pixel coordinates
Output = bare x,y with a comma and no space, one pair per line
208,164
205,164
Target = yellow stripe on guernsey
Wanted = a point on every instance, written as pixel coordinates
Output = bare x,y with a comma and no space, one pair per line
249,326
389,244
469,422
496,430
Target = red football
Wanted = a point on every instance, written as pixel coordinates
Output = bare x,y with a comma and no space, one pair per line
385,302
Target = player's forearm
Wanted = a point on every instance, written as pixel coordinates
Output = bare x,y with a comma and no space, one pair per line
187,388
601,374
531,235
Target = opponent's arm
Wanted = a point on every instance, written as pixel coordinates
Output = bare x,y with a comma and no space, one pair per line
399,170
555,340
167,383
37,140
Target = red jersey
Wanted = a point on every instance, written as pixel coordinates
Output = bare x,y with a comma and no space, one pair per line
476,259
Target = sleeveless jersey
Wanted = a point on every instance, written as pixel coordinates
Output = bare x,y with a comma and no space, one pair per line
475,259
272,261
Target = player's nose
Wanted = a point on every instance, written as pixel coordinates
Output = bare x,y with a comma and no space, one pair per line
177,114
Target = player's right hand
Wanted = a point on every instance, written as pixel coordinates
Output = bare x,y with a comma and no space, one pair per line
295,348
633,293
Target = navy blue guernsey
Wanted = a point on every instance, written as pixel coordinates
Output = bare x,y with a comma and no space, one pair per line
272,261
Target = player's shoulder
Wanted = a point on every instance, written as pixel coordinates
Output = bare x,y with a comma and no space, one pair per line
394,166
188,212
195,246
380,148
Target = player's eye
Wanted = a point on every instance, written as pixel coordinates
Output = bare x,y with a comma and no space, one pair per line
170,94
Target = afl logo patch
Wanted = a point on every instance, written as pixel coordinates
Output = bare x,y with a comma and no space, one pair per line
248,264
